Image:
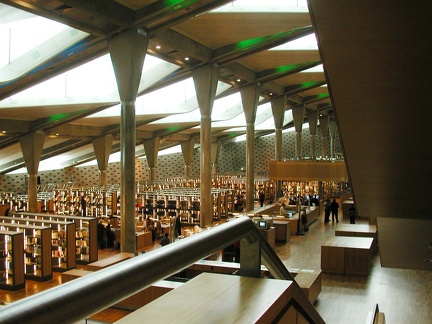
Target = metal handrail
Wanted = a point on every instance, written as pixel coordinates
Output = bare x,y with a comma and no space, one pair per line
82,297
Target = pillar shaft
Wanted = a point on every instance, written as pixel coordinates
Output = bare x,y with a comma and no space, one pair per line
31,147
313,122
298,116
332,132
127,52
250,96
215,150
278,110
188,151
323,120
206,80
151,149
102,147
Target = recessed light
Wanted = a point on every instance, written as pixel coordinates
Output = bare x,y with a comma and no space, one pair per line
158,47
238,80
186,58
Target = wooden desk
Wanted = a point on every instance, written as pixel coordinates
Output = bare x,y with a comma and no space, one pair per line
270,236
282,230
119,257
359,230
218,298
143,239
347,255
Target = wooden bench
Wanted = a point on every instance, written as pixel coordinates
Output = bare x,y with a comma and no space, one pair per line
100,264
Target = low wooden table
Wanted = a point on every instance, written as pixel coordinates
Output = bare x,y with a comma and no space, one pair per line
360,230
347,255
219,299
119,257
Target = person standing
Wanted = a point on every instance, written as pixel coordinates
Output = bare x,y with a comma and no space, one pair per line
150,224
261,198
327,211
178,225
101,234
352,214
334,207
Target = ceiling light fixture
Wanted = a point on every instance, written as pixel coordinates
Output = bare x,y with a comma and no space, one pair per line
186,58
158,46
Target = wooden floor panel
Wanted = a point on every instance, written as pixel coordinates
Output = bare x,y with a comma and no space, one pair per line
403,295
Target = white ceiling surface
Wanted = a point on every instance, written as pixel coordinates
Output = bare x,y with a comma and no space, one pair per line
175,104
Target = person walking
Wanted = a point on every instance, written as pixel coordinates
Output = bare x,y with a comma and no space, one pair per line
334,207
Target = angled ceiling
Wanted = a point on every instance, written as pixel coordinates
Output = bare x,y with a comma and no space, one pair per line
238,41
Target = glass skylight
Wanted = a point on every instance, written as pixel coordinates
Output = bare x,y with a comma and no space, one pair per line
16,36
265,6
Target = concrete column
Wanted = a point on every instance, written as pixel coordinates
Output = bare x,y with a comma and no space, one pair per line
102,147
206,80
215,150
127,52
324,128
298,116
278,110
313,122
31,147
250,96
332,131
188,152
151,149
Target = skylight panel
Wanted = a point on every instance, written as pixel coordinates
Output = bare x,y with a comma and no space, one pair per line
318,68
307,42
16,36
264,6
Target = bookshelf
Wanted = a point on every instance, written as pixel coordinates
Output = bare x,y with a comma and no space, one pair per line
11,260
